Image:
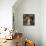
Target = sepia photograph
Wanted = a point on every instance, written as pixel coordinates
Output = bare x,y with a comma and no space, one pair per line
22,22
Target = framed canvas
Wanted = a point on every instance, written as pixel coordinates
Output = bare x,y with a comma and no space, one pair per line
28,19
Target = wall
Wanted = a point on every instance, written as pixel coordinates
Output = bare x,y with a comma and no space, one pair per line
28,7
43,22
6,13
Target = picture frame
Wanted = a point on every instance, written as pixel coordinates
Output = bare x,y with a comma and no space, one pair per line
28,19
